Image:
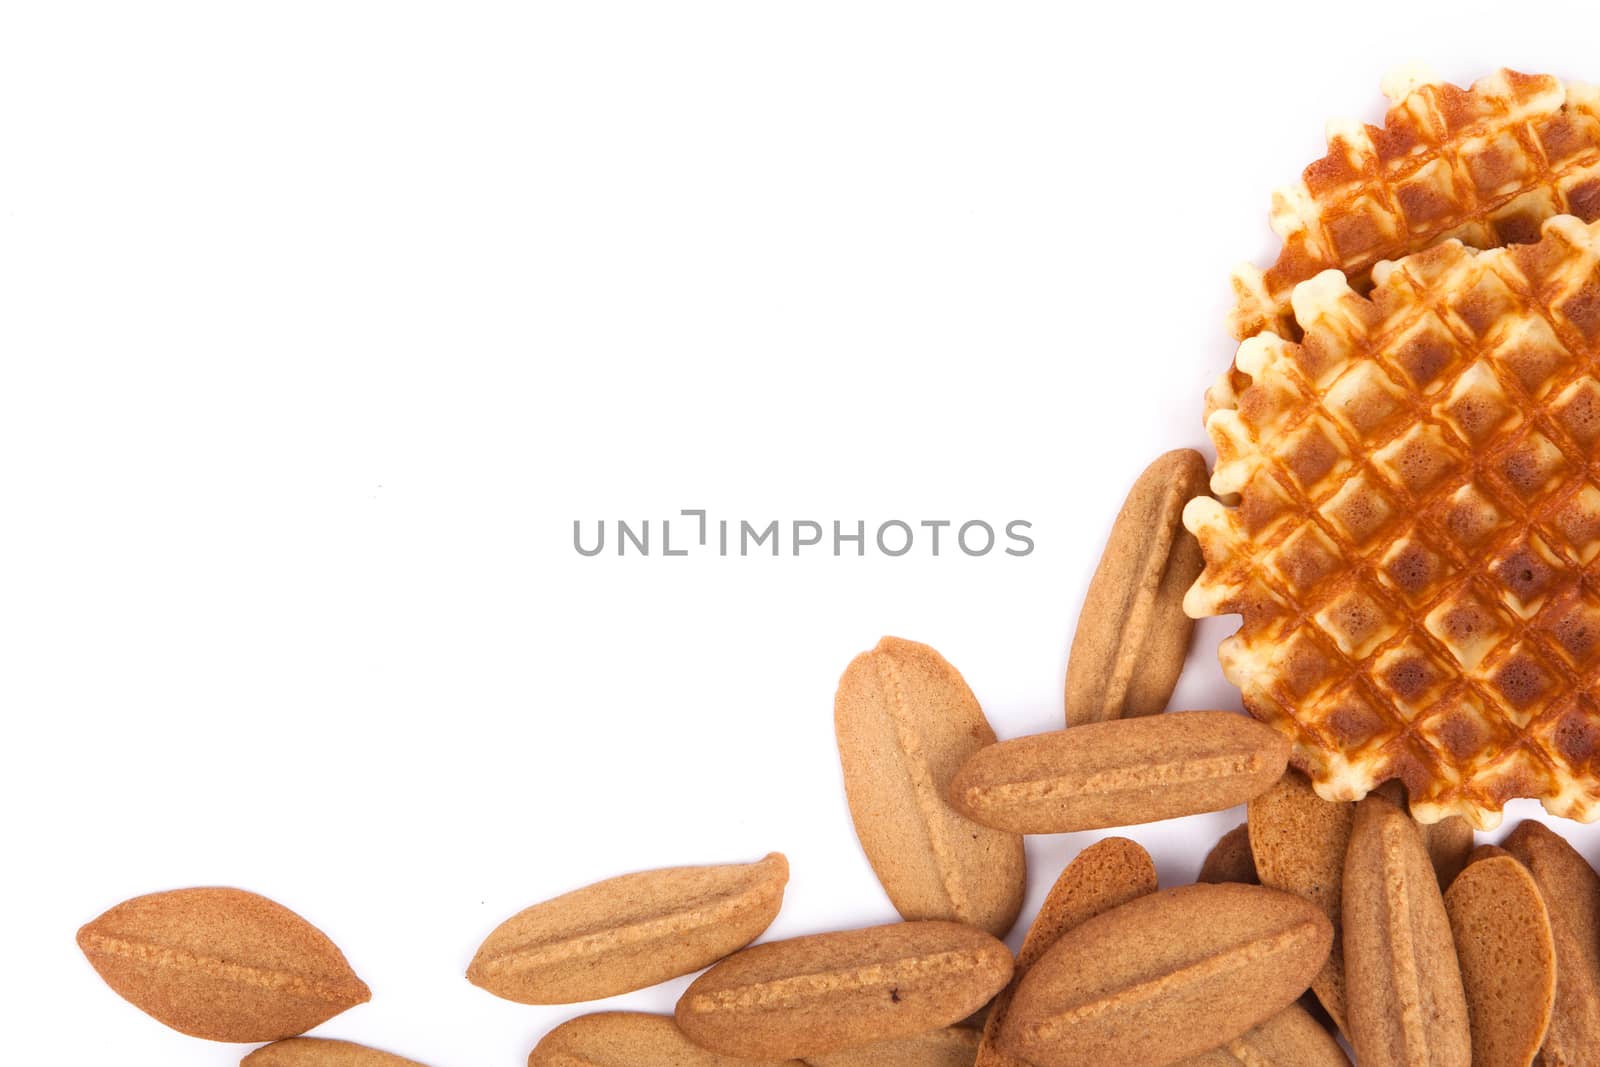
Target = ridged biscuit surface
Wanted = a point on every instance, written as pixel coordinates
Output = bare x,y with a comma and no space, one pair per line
1449,841
629,932
1132,634
905,720
1119,773
223,964
1166,976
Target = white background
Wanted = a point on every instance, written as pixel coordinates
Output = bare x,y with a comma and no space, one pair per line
323,322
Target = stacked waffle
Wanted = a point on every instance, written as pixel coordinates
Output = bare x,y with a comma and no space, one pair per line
1409,483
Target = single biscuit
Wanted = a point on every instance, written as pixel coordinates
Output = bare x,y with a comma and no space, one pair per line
1230,859
813,995
630,932
1405,1004
631,1039
1119,773
1109,873
1508,960
905,721
1132,634
1571,892
1299,842
223,964
1485,852
1166,976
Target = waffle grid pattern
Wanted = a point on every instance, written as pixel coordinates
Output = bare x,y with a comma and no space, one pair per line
1416,545
1485,165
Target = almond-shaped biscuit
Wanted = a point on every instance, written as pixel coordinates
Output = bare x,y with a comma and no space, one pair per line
1291,1038
1133,634
1571,892
223,964
1109,873
813,995
1508,960
631,1039
1230,859
1299,843
1405,1004
1166,976
905,721
319,1052
953,1046
1120,773
630,932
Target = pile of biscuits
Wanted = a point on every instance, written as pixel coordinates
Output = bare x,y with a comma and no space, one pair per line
1405,517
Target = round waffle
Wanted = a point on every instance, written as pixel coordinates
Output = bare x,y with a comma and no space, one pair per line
1485,165
1415,548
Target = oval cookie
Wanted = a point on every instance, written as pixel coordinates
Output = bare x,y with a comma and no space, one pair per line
1507,957
1132,634
223,964
813,995
1120,773
1166,976
905,721
629,932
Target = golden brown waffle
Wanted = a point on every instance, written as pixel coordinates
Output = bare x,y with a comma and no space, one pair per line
1485,165
1416,545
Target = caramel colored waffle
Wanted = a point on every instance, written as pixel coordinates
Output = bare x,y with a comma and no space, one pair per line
1485,165
1414,547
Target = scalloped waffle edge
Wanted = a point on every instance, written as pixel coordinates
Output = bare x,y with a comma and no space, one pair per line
1416,544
